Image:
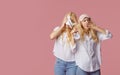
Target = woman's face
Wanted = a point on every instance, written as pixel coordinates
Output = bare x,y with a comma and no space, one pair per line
85,22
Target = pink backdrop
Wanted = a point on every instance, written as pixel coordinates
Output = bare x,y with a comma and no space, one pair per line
25,25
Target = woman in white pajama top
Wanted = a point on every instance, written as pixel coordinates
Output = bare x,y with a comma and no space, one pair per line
88,57
64,46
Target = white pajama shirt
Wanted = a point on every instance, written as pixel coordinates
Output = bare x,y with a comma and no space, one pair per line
88,55
63,49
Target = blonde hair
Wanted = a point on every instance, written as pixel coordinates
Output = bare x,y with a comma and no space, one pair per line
68,30
90,31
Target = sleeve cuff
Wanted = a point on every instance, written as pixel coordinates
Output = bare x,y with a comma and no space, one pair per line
106,36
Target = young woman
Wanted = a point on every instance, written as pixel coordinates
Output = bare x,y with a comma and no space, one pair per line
88,57
64,46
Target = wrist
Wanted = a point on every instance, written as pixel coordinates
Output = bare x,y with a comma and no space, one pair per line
62,29
94,27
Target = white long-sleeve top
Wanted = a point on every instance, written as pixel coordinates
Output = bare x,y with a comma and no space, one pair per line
63,49
88,55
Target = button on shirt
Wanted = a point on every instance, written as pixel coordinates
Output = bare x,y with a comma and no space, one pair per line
88,56
63,49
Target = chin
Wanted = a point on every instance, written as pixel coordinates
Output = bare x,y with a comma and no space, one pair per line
86,28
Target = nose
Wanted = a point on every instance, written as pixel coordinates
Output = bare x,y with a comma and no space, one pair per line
87,22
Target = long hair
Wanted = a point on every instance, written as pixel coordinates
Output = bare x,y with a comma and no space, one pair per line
90,31
67,29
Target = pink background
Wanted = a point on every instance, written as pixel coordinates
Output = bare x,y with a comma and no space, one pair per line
25,25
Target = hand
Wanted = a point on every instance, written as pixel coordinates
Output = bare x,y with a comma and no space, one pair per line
74,30
92,26
64,23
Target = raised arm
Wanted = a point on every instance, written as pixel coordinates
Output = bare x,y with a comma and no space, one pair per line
103,34
99,29
58,30
56,33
